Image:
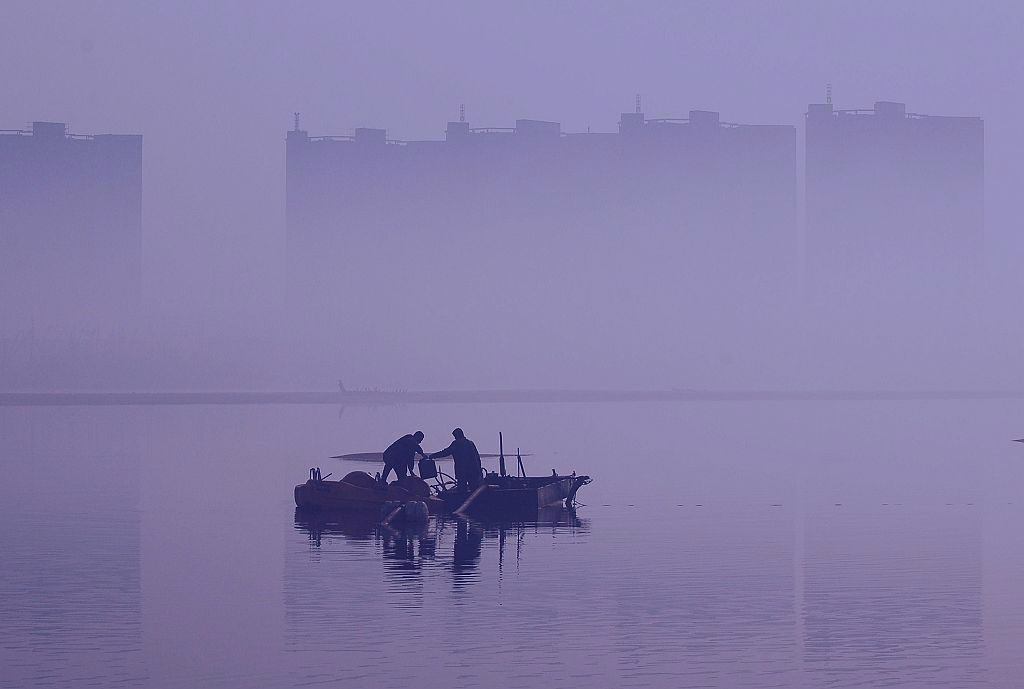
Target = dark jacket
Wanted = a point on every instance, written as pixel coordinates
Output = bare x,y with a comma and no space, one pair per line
464,452
403,451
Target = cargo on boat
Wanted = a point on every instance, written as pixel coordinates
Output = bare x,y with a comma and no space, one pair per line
359,490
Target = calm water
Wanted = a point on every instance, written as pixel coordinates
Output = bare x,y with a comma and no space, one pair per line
768,544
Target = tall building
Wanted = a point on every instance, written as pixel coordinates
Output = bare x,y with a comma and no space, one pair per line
669,238
70,230
893,194
894,232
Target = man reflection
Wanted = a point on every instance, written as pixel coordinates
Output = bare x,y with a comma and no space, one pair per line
468,545
405,551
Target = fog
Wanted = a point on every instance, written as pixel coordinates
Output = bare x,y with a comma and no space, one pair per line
572,262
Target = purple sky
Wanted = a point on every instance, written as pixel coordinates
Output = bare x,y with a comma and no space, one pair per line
213,89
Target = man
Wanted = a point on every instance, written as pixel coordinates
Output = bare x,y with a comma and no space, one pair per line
401,455
467,460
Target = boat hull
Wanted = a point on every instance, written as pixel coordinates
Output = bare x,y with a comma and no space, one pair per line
504,497
518,496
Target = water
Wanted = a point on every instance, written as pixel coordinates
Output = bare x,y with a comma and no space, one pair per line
730,544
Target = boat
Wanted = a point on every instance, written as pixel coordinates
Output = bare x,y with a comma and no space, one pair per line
359,490
498,495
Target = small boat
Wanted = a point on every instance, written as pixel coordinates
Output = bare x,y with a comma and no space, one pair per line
509,496
505,496
498,494
359,490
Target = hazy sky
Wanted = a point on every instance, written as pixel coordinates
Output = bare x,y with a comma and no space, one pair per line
212,87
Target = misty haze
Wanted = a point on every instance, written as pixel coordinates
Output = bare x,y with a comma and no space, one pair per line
753,270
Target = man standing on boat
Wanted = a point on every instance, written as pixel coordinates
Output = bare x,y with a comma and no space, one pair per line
467,460
401,455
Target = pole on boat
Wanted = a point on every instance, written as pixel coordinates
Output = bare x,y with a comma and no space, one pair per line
501,455
519,458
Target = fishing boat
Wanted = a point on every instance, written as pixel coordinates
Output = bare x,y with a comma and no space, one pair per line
498,494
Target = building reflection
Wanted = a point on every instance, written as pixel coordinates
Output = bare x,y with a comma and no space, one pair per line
70,550
893,593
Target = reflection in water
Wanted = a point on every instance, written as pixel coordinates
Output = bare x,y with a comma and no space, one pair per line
70,552
894,595
356,588
109,577
407,551
77,610
468,544
825,600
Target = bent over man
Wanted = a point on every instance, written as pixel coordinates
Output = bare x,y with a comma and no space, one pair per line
401,455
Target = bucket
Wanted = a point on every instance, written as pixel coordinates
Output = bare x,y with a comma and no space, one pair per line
428,469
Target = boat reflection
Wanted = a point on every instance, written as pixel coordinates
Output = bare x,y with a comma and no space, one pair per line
455,544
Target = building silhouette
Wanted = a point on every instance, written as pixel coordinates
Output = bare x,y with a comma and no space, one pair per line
890,192
666,226
70,230
894,235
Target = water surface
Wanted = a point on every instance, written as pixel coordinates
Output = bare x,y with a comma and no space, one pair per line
722,544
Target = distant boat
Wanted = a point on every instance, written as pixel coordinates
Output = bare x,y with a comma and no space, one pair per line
1019,440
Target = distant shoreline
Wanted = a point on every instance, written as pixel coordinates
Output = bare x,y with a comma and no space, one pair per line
58,399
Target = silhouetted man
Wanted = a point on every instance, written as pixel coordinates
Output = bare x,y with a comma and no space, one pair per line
467,460
401,455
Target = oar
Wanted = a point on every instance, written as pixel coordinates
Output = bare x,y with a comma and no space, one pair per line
469,501
394,513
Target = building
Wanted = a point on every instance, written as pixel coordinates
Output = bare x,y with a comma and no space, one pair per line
682,231
894,238
892,194
70,230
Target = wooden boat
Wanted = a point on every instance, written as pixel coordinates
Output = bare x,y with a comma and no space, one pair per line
359,490
499,495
